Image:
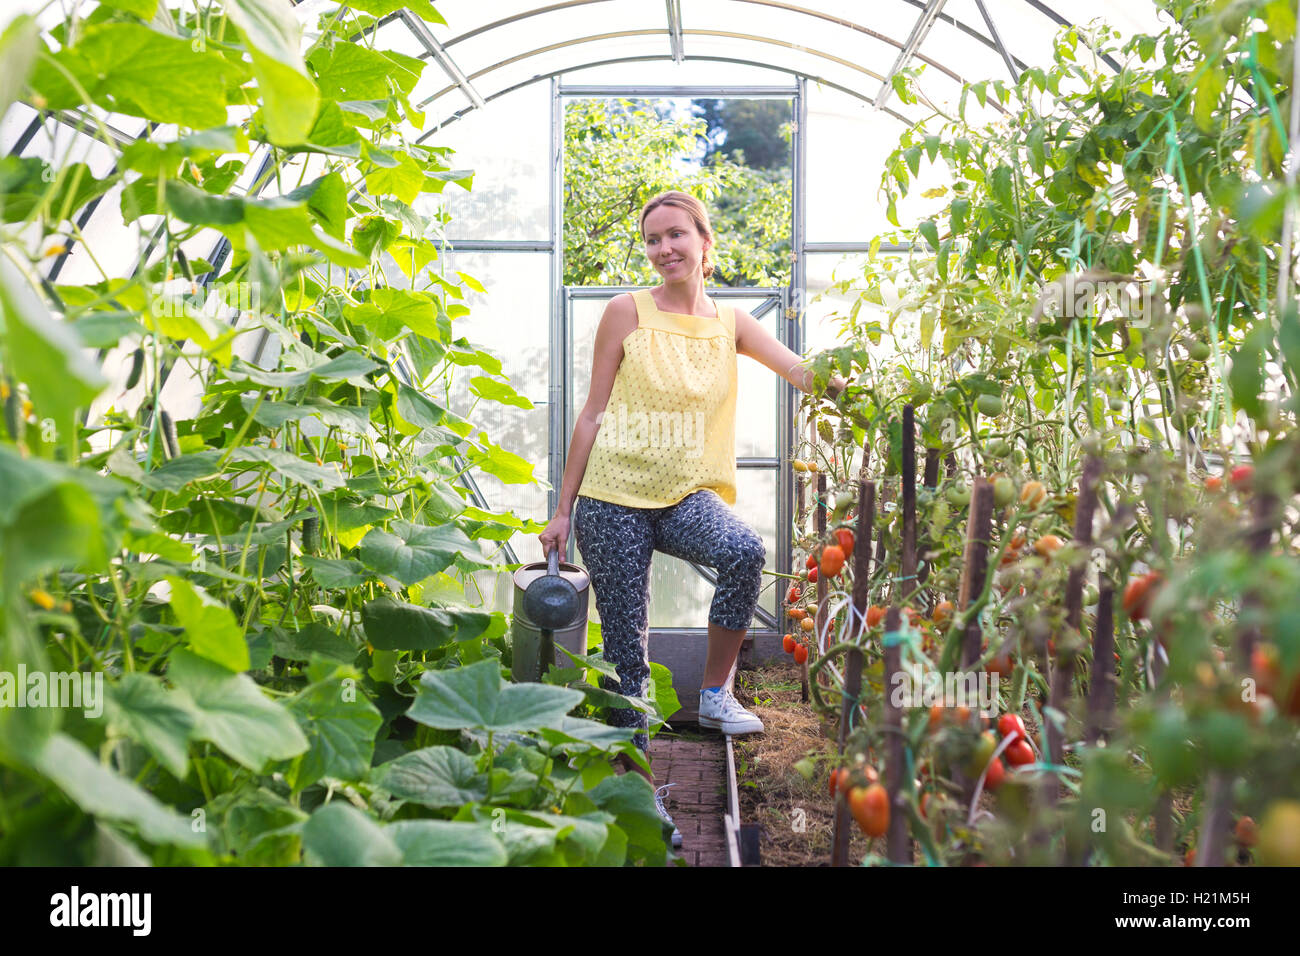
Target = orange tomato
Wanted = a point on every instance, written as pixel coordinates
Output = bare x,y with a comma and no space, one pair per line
875,614
1048,545
832,560
870,808
943,613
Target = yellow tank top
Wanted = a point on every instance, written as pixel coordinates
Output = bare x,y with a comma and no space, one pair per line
669,427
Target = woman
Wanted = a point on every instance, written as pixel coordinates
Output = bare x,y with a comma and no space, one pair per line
665,363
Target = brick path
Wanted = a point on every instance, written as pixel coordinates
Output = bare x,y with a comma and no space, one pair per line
699,801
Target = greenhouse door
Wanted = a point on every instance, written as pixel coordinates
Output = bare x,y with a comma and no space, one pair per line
680,591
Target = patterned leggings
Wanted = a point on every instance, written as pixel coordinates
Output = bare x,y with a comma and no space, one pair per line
617,543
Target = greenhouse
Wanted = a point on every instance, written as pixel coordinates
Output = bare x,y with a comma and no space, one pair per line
592,433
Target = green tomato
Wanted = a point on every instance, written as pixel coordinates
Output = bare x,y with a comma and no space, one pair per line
1000,448
1198,351
990,405
958,495
1004,492
979,758
1116,403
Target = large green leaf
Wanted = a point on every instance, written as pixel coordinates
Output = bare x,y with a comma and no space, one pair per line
393,626
314,638
138,706
120,64
18,47
390,312
45,353
506,465
234,714
495,391
340,723
346,367
446,843
288,465
476,696
53,516
631,799
210,627
413,552
433,777
349,71
382,8
289,95
103,794
176,474
351,418
339,834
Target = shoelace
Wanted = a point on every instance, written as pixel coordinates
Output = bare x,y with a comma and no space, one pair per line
729,706
659,797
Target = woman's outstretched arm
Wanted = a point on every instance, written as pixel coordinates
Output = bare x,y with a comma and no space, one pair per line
762,346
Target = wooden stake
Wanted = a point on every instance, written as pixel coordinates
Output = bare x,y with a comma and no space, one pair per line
1101,682
854,661
975,565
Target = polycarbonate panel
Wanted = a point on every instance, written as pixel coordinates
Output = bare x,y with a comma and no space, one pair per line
540,60
508,147
824,311
847,144
479,52
510,321
884,18
688,73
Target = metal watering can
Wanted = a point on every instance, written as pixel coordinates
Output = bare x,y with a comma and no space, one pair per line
550,611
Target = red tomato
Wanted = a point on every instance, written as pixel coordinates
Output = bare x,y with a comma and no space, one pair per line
800,654
793,595
789,643
812,576
1137,596
1019,753
1241,476
845,539
993,777
1010,725
811,562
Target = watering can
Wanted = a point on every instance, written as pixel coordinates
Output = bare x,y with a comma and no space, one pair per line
550,611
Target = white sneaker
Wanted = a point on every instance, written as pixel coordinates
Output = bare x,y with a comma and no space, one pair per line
721,711
663,812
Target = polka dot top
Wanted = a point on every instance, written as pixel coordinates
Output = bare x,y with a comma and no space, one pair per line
669,427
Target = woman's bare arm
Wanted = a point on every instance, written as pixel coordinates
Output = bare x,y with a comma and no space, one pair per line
762,346
618,320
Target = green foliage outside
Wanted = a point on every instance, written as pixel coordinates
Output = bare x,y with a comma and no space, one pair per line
620,153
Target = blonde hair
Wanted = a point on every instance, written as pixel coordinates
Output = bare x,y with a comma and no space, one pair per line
693,208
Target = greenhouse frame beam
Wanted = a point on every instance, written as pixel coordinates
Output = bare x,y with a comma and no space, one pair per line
700,92
997,38
812,248
920,30
675,41
821,81
623,34
421,32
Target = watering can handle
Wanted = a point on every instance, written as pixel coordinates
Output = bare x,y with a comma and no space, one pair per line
553,562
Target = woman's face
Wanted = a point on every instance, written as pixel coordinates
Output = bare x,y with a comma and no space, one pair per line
673,244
